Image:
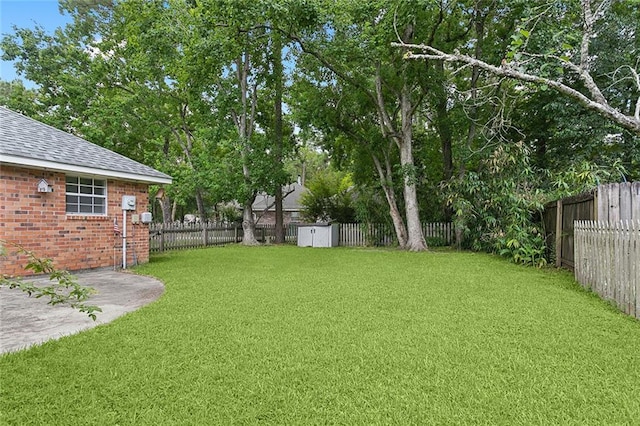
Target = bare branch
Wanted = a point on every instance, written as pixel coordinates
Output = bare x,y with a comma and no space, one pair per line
386,125
596,104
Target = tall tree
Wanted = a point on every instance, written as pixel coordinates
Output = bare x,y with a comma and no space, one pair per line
353,44
278,135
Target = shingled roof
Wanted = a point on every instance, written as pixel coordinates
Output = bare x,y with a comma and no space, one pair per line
291,201
30,143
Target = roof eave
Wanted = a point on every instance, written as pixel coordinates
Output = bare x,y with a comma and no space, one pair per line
60,167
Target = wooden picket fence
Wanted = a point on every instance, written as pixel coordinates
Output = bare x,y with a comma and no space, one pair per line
176,236
363,234
607,261
163,237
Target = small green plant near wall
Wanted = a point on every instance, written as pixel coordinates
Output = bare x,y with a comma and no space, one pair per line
64,289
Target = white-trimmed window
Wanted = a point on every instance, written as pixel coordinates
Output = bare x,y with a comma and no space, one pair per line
86,196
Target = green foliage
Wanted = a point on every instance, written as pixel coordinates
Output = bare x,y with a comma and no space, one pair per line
16,97
563,136
496,206
370,208
229,214
64,289
584,177
330,198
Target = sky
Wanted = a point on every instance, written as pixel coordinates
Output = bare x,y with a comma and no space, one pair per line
27,14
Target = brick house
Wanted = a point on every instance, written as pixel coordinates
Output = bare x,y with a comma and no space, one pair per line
62,197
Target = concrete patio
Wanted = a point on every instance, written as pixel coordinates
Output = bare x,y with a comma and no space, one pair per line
27,321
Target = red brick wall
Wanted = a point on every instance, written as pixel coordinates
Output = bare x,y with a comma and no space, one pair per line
269,218
38,222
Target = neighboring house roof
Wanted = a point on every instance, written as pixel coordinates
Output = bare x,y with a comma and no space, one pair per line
290,202
30,143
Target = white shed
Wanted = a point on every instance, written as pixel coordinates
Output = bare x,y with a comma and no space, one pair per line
318,235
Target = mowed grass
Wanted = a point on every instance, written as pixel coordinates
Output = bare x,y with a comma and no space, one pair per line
284,335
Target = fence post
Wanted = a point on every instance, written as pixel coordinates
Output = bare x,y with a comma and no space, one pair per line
204,234
161,237
559,233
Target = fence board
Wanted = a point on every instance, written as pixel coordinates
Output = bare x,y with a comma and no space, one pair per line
625,201
608,261
603,203
635,201
619,201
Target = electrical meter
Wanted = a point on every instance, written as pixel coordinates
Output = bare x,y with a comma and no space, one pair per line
128,202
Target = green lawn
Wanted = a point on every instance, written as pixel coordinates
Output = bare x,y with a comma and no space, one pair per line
284,335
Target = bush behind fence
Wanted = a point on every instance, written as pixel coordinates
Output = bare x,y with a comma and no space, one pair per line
177,236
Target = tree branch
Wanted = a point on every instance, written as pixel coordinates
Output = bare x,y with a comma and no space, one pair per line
596,104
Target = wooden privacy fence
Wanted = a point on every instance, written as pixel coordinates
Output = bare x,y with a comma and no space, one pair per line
164,237
607,261
558,218
609,202
618,201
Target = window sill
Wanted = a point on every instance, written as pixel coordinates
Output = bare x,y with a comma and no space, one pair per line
87,217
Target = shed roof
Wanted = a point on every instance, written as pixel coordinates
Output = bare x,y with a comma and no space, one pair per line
29,143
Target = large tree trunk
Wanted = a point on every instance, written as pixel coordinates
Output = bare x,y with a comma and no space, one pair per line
404,141
396,218
279,217
403,138
174,210
248,224
386,182
415,237
278,133
244,123
165,206
200,203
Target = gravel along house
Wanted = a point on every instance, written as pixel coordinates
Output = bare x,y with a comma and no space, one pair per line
70,200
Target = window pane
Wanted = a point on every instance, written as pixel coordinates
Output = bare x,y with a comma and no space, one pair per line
85,195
